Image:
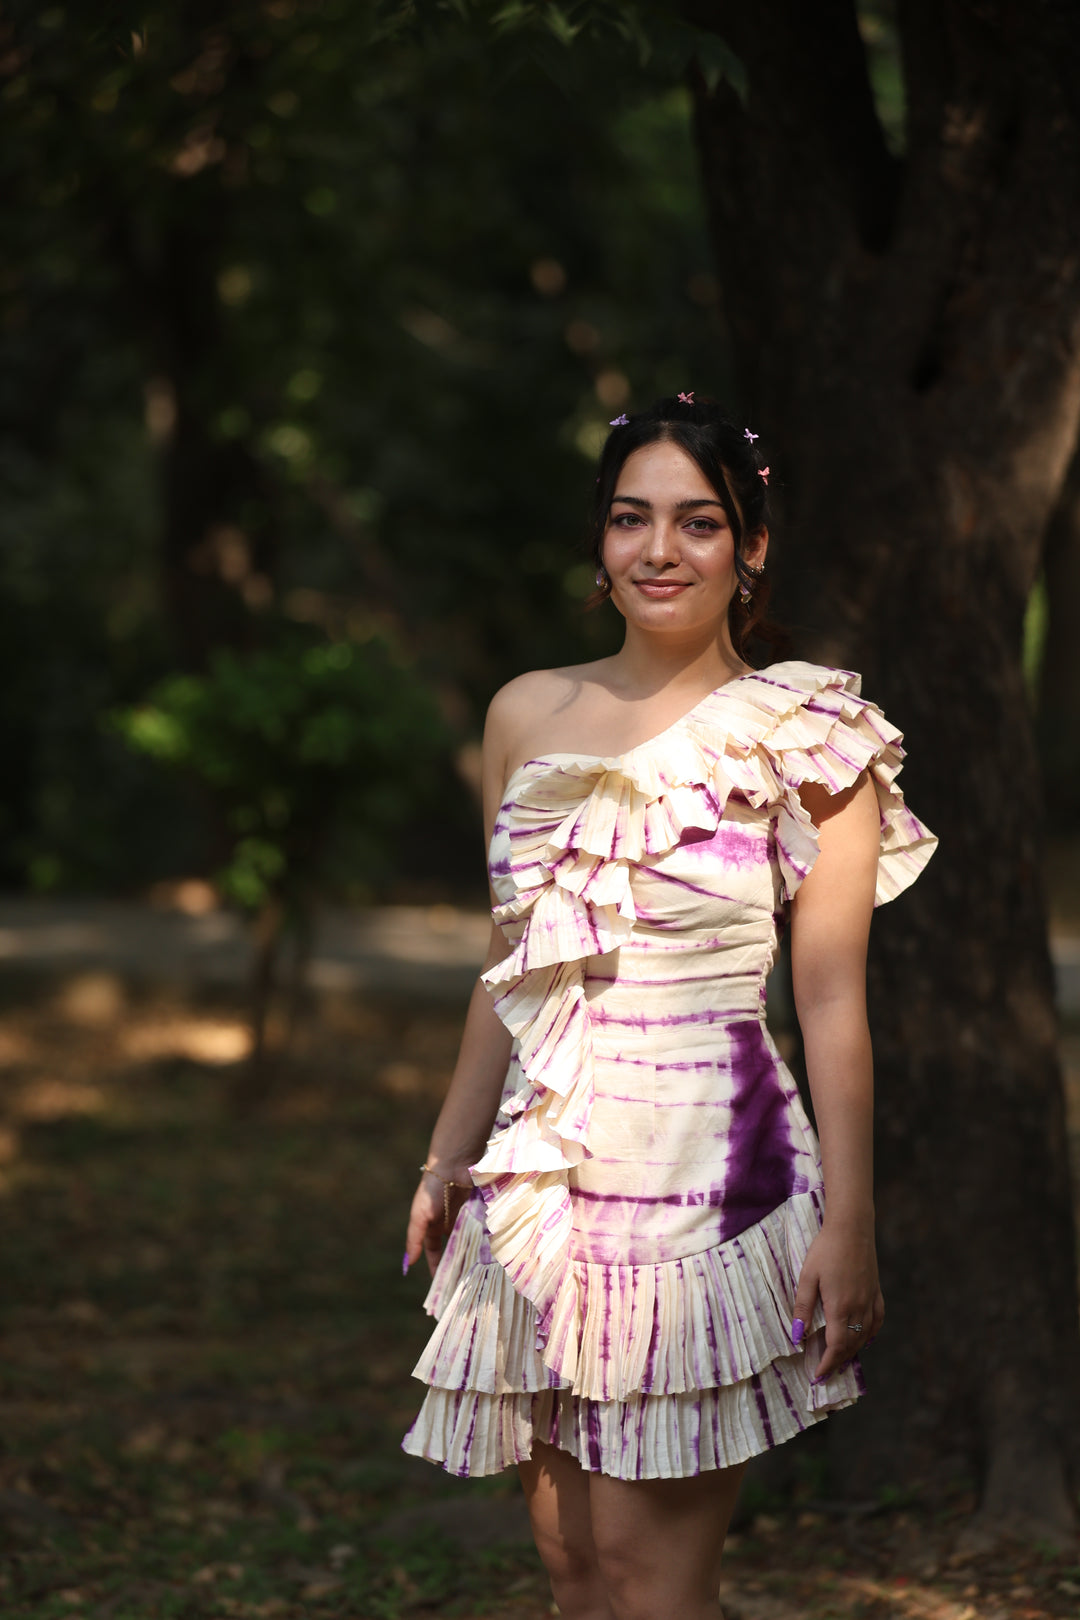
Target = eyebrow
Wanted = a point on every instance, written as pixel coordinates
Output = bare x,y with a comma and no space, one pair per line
680,506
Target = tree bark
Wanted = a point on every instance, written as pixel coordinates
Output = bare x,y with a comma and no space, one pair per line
1059,682
169,240
907,334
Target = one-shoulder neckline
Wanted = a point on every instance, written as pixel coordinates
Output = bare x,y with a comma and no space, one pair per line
649,742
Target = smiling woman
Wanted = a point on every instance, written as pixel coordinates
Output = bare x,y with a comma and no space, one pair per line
731,488
654,1270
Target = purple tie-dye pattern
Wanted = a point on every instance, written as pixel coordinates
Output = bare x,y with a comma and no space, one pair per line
622,1283
729,844
763,1409
761,1154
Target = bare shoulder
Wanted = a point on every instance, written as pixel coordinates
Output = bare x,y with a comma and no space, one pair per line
532,697
823,805
523,709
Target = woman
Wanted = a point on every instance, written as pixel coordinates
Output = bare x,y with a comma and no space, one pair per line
659,1273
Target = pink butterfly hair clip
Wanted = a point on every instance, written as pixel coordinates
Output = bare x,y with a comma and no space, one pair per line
687,399
619,421
763,473
746,433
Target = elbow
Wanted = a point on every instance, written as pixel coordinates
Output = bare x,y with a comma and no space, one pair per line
827,1006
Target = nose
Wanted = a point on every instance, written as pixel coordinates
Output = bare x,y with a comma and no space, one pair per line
660,543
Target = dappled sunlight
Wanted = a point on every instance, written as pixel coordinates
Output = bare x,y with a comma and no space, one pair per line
92,1000
192,896
47,1099
401,1079
201,1040
14,1048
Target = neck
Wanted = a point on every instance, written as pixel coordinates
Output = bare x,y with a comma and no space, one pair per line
648,662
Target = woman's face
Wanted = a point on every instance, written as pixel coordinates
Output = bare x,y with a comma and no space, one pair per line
668,547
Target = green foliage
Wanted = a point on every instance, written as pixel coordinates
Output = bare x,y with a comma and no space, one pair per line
878,29
313,751
1033,642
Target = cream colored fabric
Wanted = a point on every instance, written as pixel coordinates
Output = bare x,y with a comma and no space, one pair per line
622,1283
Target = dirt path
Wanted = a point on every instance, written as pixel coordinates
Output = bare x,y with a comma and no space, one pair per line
186,940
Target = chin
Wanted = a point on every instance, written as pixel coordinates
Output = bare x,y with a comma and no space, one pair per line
684,613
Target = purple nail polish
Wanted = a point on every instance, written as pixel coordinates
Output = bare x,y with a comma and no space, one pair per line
405,1265
798,1328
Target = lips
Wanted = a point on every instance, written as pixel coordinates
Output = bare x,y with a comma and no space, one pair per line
661,589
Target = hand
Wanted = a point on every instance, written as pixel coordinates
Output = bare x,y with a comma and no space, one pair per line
841,1268
427,1230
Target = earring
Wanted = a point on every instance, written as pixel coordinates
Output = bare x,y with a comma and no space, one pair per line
601,577
745,590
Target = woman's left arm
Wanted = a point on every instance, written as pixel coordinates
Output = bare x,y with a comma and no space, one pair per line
830,927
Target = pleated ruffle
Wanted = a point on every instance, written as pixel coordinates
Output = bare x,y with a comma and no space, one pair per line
719,1380
474,1432
710,1318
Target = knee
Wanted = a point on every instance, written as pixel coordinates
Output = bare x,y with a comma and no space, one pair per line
569,1562
572,1568
625,1572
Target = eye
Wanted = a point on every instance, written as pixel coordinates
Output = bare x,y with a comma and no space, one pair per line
627,520
703,526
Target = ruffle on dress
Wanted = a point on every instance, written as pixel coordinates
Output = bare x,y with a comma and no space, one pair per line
531,1340
709,1336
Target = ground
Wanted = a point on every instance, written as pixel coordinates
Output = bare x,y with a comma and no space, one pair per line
208,1339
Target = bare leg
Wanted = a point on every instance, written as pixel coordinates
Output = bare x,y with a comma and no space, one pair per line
658,1543
557,1491
629,1549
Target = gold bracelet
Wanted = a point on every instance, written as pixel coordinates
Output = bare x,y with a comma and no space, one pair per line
463,1186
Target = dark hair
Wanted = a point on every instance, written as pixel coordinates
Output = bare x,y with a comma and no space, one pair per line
732,465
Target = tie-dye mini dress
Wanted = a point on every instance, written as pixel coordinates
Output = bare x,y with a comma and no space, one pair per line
622,1282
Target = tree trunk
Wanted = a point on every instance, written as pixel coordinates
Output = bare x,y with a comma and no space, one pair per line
907,334
219,542
1059,683
170,241
252,1084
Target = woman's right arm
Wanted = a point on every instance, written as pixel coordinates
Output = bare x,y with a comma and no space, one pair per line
465,1119
472,1101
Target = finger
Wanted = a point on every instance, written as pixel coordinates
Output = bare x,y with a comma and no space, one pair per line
806,1297
421,1217
842,1343
433,1248
877,1319
867,1321
414,1240
833,1356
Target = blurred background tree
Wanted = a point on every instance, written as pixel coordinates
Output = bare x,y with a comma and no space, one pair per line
310,754
898,253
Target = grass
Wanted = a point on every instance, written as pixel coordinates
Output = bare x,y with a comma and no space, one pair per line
207,1346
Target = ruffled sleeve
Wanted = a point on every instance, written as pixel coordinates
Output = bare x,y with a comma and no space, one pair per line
799,723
